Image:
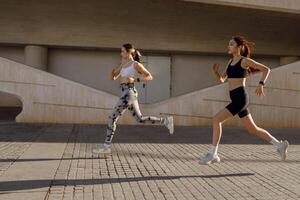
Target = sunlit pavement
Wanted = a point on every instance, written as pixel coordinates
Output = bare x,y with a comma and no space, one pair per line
39,161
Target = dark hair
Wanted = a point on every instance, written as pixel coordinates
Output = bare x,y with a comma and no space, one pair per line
247,46
135,53
246,50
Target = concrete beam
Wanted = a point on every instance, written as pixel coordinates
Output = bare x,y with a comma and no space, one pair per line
36,56
289,6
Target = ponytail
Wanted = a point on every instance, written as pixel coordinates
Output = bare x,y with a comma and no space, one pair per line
247,46
246,50
135,53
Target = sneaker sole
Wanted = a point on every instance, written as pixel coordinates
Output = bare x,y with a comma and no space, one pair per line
171,128
218,160
286,145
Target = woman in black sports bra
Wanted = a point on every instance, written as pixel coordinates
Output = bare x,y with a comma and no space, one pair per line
238,68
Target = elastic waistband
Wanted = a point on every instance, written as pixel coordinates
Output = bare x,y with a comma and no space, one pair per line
242,88
127,85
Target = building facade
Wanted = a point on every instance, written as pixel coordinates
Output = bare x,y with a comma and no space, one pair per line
179,40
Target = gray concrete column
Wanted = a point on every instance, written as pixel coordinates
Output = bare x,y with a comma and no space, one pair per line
36,56
288,59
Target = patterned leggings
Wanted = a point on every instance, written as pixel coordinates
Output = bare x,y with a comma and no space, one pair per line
128,100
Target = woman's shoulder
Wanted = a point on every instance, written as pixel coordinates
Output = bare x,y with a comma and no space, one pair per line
246,62
136,63
246,59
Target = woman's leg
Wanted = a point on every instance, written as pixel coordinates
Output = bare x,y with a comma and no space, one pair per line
218,120
134,108
252,128
117,112
136,113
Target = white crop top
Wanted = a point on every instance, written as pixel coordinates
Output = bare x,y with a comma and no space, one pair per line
128,71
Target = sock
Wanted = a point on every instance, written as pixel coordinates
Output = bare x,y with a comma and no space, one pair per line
276,143
213,150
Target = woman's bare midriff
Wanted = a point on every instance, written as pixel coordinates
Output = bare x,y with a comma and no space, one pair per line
125,80
234,83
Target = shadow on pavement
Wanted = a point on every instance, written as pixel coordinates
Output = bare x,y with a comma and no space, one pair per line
33,184
20,132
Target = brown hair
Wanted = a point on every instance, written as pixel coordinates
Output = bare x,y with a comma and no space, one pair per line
135,53
246,50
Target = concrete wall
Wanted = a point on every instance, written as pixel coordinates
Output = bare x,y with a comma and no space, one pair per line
292,6
44,95
193,72
92,68
279,108
88,67
91,33
156,25
8,100
16,54
48,98
13,53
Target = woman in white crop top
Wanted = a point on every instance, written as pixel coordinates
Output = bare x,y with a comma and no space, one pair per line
126,72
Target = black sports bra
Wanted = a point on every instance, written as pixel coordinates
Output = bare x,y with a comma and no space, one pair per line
236,71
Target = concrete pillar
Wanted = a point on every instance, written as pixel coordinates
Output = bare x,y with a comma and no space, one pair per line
36,56
288,59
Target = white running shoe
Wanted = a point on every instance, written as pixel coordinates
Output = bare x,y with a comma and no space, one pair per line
168,122
209,158
104,149
283,149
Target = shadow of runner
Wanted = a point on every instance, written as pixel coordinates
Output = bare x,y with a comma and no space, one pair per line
19,132
168,157
6,186
259,160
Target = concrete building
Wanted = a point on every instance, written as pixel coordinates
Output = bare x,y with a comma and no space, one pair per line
180,40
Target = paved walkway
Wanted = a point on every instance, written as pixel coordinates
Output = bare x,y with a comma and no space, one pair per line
55,162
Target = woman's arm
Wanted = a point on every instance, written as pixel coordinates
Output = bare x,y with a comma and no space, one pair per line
220,77
146,75
249,63
115,73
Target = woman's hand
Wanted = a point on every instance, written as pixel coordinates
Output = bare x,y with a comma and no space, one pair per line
220,77
216,68
146,76
116,72
260,91
130,79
